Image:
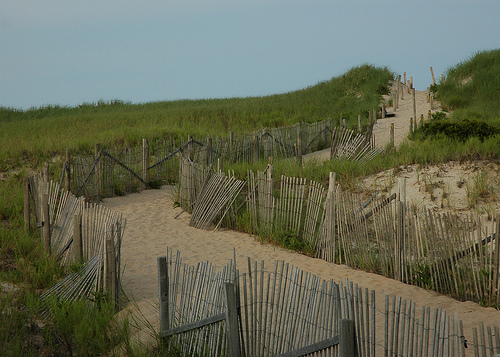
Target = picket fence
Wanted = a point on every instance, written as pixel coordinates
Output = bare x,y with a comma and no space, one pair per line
76,232
290,312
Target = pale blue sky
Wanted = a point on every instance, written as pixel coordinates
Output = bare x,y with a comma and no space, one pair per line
67,52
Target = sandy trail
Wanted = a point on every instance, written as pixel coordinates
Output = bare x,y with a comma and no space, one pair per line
151,228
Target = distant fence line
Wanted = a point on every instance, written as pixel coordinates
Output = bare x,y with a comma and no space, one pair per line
290,312
113,172
76,232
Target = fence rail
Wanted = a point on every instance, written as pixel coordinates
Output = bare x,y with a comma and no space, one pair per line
290,312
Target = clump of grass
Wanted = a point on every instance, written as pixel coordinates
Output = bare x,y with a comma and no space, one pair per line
481,187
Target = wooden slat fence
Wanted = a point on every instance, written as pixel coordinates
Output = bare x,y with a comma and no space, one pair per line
411,244
290,312
112,172
216,197
79,232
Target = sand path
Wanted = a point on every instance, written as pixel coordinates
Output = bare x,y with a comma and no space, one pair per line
152,227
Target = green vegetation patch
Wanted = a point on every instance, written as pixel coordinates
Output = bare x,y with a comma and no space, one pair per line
472,88
460,130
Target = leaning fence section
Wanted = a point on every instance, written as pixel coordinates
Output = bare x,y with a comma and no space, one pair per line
77,232
442,252
286,311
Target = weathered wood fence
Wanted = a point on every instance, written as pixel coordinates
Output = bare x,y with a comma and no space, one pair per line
76,232
289,312
113,172
385,235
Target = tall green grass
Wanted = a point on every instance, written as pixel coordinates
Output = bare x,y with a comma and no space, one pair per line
471,88
34,133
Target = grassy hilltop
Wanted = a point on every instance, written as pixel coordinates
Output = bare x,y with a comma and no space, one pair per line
51,129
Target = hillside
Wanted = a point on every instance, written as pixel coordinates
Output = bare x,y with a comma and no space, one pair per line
51,129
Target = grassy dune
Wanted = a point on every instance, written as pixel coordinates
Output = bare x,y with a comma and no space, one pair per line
51,129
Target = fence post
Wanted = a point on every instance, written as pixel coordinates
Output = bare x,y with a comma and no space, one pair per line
190,147
27,204
46,173
209,151
414,104
374,116
392,135
256,147
398,91
334,143
347,345
46,222
163,293
220,165
233,335
411,125
231,146
77,238
299,145
360,126
67,173
111,267
323,131
433,78
145,160
98,171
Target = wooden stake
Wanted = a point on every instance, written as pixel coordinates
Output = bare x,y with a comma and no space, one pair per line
145,160
299,145
347,338
46,222
392,135
46,173
209,151
27,212
67,174
233,335
163,293
77,238
256,148
111,267
98,171
399,90
433,78
414,104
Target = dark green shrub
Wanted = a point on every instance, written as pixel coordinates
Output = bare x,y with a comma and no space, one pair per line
457,130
